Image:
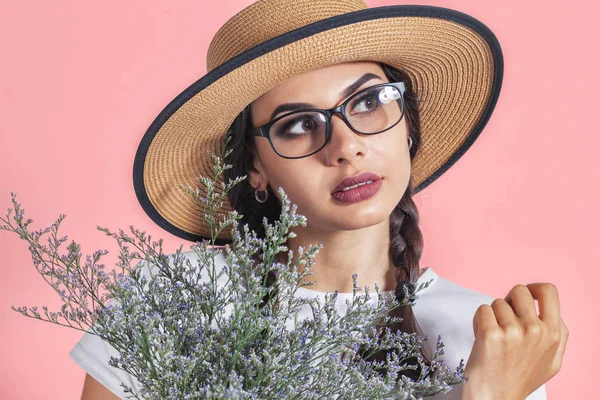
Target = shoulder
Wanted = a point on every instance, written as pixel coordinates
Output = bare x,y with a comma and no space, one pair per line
447,295
446,309
448,301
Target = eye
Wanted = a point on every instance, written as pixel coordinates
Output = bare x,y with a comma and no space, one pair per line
302,126
366,103
298,126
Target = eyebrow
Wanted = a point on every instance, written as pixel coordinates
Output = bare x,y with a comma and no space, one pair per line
347,92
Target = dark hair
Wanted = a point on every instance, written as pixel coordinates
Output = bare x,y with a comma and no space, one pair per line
406,240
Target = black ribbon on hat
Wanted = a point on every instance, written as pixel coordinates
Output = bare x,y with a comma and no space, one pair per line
400,295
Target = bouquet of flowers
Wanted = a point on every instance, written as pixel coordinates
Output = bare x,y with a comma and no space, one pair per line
184,335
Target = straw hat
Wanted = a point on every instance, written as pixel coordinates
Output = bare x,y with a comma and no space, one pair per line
454,62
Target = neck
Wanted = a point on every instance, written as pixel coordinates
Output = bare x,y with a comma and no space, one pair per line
364,252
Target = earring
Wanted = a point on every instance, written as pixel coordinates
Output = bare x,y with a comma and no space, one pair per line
261,200
410,142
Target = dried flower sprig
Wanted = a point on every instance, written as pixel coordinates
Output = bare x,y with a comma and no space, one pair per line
205,331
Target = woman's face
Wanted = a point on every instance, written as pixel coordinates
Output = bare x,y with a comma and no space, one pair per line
309,181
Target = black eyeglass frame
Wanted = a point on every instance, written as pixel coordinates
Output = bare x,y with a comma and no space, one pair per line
264,130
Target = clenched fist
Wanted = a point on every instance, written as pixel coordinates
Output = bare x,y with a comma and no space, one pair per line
515,350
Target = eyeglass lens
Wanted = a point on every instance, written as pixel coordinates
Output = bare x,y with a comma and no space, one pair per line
372,111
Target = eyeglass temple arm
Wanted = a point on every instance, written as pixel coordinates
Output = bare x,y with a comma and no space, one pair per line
255,132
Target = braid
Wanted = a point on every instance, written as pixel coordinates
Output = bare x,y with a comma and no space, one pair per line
406,248
406,240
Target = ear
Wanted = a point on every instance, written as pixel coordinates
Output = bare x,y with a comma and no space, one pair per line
257,177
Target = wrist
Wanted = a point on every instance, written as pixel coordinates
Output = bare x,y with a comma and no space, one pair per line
472,390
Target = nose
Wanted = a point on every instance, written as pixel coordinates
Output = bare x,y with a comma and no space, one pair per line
344,144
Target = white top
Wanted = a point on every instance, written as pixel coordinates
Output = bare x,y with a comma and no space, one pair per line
443,308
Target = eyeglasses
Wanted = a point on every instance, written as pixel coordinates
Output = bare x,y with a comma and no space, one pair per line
302,133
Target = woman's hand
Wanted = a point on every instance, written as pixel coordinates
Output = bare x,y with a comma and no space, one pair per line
515,351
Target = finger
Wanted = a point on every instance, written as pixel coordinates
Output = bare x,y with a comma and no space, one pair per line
484,319
522,302
504,313
547,296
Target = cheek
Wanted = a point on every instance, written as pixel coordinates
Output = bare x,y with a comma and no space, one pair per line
391,147
400,163
291,176
303,188
263,148
394,156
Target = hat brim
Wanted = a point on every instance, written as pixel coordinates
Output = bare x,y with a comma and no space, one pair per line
454,61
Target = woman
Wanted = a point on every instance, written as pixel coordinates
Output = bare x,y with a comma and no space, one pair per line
416,86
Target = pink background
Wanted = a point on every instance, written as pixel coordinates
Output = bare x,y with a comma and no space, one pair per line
81,82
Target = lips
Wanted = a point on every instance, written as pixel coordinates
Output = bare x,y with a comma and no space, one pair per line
355,180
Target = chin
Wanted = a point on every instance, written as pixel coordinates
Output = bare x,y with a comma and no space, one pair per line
345,217
359,220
